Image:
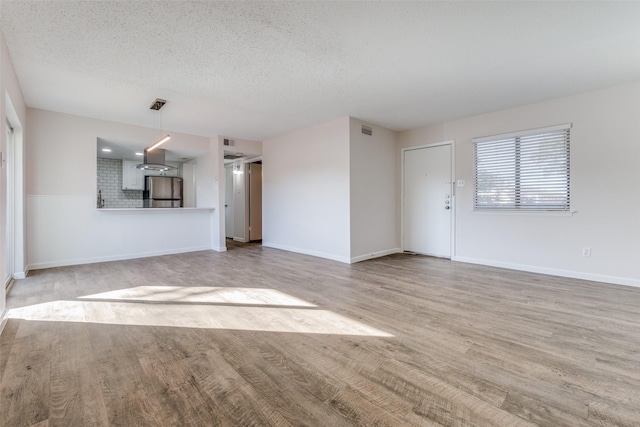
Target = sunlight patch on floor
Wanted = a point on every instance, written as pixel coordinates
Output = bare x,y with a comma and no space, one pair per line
203,294
269,319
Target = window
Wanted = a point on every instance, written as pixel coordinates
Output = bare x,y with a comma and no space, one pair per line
526,171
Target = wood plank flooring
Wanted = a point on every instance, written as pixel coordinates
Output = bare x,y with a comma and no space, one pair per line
261,337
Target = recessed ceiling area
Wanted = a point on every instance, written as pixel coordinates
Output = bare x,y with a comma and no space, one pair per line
256,70
120,149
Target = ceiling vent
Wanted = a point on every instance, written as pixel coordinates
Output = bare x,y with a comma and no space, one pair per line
233,156
158,104
367,130
229,142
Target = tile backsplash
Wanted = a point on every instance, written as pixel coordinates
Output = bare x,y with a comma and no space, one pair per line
110,182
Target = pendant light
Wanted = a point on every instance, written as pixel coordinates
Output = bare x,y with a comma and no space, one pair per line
157,105
156,161
159,142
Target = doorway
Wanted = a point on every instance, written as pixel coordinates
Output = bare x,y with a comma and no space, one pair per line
255,201
9,206
228,201
243,201
428,200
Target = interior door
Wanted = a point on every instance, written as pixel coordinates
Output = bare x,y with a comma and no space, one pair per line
228,201
428,200
255,201
9,241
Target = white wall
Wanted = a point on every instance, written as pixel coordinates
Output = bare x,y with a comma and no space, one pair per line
605,190
12,106
306,191
374,179
210,189
189,179
63,225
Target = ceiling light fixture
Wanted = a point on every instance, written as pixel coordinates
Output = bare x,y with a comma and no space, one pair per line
156,161
157,105
158,142
106,150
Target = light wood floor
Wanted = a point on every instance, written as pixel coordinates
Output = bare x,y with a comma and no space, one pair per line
258,336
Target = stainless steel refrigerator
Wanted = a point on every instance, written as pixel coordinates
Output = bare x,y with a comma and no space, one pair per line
162,192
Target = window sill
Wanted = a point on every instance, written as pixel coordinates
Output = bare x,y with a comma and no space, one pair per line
523,212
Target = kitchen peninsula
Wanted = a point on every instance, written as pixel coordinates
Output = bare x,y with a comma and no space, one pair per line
146,205
66,226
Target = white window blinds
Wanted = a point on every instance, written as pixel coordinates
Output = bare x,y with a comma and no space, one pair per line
526,170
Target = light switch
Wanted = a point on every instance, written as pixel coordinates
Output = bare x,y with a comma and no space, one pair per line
461,183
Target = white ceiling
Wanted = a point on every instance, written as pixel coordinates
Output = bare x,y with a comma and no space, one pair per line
255,70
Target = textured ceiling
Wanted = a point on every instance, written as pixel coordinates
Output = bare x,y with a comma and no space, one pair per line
256,70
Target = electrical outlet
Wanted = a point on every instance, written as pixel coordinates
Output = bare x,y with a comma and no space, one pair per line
461,183
586,251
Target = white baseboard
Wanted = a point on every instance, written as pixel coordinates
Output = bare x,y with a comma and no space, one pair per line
240,239
20,275
375,255
306,252
62,263
3,320
627,281
220,249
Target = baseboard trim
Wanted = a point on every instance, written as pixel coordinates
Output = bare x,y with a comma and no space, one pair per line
626,281
3,319
306,252
220,249
9,285
377,254
63,263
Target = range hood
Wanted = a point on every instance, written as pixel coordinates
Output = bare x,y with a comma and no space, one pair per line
155,161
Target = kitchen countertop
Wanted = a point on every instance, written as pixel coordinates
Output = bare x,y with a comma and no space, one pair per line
150,210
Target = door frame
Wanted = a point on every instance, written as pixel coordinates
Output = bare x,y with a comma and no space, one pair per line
250,197
8,163
226,207
452,144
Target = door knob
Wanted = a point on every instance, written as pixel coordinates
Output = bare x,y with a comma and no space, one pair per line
447,207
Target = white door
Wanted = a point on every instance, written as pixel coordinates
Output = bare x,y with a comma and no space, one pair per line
228,201
9,241
255,201
428,200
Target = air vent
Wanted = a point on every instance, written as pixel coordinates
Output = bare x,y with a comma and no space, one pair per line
229,156
229,142
158,104
367,130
